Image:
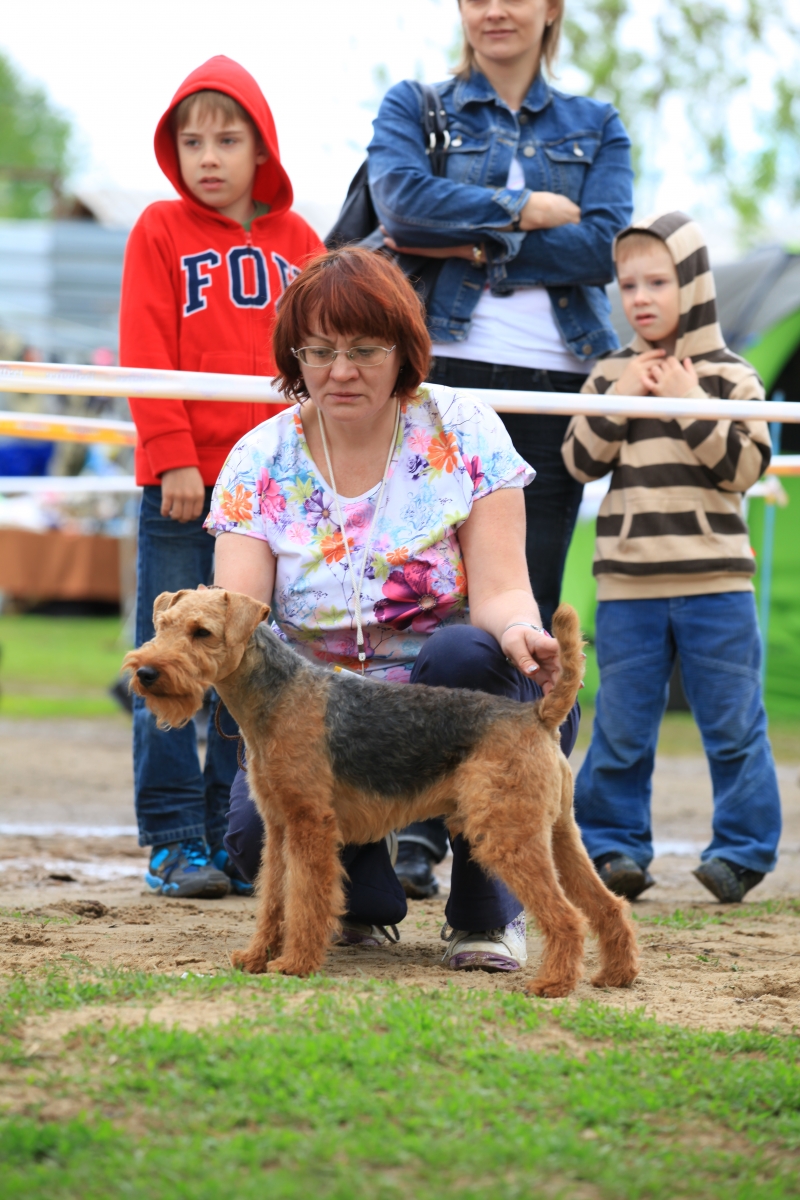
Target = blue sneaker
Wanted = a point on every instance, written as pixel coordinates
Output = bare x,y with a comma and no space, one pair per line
185,869
239,885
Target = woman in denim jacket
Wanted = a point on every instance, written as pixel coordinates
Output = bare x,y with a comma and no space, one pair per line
537,184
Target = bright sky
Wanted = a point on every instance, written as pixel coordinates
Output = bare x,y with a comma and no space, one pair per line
113,67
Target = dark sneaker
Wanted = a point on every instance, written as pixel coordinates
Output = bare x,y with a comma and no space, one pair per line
727,880
414,869
622,875
239,885
354,933
184,869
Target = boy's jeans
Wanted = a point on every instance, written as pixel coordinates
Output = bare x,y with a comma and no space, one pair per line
175,800
720,650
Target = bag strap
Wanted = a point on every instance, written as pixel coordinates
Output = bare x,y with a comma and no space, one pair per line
434,124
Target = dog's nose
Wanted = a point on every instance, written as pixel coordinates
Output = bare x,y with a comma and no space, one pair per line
147,675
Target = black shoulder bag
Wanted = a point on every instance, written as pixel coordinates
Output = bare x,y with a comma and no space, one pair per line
358,223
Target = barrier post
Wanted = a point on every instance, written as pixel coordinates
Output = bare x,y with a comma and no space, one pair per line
768,545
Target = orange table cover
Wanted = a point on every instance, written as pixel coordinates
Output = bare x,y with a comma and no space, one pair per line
58,566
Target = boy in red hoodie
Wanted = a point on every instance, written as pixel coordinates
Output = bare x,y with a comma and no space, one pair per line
201,280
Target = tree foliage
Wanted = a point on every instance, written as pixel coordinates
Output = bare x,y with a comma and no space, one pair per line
699,57
34,147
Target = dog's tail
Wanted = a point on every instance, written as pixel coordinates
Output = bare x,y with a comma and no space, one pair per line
553,709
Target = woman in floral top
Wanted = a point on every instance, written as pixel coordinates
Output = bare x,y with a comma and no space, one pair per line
425,528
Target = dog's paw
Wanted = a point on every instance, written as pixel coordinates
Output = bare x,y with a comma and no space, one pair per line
252,962
550,988
618,978
285,966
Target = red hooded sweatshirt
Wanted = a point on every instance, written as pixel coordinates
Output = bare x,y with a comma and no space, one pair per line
199,292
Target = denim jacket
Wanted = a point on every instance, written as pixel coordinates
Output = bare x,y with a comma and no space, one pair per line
567,144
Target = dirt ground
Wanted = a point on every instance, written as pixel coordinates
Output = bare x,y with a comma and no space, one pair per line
68,851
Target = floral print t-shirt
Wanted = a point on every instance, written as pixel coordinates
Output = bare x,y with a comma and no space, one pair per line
451,450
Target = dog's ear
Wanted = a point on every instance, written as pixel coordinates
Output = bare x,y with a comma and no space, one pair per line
242,616
166,600
162,603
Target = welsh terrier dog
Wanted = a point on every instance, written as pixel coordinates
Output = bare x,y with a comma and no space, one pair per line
334,759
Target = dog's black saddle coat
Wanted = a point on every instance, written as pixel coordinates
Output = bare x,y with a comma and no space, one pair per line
397,739
391,739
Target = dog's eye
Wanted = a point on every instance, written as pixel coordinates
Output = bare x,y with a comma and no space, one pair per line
202,633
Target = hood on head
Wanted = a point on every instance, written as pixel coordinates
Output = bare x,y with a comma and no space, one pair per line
699,332
222,74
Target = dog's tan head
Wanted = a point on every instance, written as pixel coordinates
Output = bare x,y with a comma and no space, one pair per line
200,639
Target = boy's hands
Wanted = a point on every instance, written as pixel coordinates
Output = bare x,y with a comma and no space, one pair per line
636,379
655,374
183,494
671,378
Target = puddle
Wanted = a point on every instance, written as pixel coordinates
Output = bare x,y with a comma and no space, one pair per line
106,870
81,831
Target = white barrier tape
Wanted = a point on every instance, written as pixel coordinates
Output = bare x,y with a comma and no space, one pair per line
77,485
68,485
569,404
52,487
55,379
51,378
784,464
90,430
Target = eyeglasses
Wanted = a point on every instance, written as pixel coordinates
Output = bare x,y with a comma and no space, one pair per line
324,356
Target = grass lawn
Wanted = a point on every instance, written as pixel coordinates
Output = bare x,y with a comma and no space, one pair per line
59,666
680,737
336,1090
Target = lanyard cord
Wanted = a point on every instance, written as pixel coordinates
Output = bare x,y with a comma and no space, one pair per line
362,658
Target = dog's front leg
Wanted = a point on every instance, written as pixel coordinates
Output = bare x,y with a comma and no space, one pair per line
314,896
267,939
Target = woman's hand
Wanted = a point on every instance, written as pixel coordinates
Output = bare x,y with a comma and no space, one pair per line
671,378
492,541
548,210
467,251
542,210
636,379
535,654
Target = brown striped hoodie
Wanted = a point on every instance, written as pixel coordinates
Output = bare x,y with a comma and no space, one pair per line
671,523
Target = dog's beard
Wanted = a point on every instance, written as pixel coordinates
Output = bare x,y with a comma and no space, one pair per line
173,698
173,712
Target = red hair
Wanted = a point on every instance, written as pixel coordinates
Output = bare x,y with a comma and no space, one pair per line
355,292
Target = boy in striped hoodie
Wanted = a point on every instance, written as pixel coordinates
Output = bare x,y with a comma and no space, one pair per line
674,572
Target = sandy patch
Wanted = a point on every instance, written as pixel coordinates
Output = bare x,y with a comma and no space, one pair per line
743,973
67,772
69,865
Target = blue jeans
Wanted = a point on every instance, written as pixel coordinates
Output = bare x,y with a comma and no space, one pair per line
457,656
174,799
718,642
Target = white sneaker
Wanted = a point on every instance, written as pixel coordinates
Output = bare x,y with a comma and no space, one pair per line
487,949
